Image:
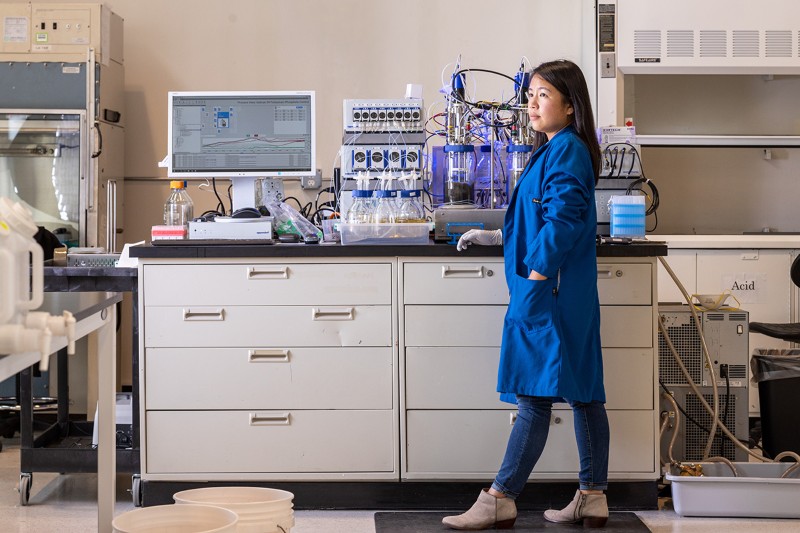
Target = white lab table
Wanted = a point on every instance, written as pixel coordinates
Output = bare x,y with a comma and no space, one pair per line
95,312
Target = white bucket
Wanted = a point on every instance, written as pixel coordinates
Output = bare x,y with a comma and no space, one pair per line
260,510
176,519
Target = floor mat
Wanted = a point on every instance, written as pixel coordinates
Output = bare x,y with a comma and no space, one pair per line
423,522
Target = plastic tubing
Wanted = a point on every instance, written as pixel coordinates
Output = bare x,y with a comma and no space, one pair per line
715,413
671,400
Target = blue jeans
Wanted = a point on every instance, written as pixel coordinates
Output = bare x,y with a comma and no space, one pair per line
529,436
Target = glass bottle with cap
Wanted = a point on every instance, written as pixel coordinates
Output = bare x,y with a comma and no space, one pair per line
179,209
385,211
360,211
410,210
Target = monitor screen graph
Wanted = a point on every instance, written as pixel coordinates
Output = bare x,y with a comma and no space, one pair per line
249,134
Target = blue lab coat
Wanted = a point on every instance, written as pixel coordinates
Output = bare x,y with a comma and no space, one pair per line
551,332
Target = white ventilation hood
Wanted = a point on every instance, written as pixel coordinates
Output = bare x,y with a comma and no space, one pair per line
708,37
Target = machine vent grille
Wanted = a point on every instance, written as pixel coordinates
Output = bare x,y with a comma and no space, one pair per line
715,317
713,43
680,43
779,43
745,43
696,438
737,371
737,317
646,44
687,344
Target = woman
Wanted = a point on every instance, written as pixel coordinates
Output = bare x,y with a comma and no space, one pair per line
551,335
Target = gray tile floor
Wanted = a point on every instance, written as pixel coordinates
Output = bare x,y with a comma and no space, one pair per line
67,504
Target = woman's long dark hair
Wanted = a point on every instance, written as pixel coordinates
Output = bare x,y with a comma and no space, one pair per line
568,79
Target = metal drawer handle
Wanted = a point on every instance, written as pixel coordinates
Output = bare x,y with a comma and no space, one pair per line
556,420
608,273
267,273
281,419
462,272
513,418
211,314
332,314
276,355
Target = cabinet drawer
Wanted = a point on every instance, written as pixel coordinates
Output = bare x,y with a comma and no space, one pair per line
268,284
624,284
628,378
454,325
254,327
626,326
268,378
473,442
454,283
270,441
466,378
452,378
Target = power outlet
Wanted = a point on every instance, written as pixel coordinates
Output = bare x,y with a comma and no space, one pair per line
311,182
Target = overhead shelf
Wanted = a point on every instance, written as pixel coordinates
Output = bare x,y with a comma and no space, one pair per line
721,141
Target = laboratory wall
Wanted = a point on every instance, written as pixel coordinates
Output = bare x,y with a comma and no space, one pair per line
339,48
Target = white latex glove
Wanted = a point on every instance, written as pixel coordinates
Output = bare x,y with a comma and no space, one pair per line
480,236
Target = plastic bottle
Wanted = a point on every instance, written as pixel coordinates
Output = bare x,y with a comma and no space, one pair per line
385,211
179,209
410,209
360,211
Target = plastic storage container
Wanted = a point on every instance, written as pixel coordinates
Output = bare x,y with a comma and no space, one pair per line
758,492
179,209
260,510
176,519
627,216
777,373
395,234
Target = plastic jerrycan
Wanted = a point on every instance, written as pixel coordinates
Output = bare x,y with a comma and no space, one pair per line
8,301
20,222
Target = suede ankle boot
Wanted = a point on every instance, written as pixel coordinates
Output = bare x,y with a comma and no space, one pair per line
487,512
591,509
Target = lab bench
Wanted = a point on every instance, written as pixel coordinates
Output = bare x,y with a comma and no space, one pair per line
294,366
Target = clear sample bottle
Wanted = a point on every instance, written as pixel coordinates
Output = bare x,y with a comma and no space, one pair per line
410,209
385,211
179,209
360,211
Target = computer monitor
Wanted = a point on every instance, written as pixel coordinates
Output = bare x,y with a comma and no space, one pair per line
241,135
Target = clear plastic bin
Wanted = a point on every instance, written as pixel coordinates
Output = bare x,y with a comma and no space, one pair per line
383,234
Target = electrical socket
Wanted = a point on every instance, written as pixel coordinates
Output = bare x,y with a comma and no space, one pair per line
311,182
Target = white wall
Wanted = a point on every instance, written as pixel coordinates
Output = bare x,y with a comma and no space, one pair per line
339,48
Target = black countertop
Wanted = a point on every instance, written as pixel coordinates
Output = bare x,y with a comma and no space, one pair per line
187,251
88,279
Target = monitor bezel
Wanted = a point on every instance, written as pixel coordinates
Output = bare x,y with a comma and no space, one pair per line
248,173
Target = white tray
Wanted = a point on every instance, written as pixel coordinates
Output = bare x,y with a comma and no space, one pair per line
757,492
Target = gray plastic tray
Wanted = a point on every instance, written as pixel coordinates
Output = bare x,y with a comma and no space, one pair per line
757,492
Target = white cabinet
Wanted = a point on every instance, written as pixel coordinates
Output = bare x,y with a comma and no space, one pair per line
266,370
453,424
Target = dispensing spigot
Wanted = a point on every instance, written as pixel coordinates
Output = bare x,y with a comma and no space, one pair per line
70,322
45,338
60,326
